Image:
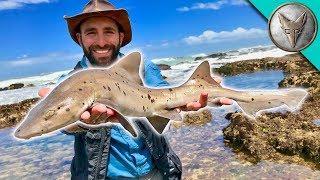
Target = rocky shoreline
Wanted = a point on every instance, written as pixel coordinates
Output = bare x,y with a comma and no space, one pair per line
289,137
12,114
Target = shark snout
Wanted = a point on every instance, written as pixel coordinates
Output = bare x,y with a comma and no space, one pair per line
22,133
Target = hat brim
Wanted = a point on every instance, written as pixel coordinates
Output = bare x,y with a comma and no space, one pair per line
118,15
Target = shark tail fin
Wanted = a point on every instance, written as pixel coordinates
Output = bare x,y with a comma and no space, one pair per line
264,100
202,72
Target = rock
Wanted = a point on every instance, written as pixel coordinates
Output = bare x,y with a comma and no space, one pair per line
16,86
289,137
164,66
197,118
12,114
292,62
13,86
30,85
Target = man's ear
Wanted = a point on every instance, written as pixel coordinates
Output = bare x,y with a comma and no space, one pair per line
79,38
121,36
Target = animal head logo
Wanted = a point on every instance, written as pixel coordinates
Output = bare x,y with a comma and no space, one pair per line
293,29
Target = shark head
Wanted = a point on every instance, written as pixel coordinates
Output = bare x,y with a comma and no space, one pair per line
63,106
292,29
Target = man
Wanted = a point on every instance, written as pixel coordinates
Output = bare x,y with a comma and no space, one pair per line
109,152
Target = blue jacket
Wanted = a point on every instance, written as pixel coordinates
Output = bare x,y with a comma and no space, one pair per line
92,148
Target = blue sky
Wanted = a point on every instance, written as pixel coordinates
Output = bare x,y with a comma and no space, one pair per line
35,38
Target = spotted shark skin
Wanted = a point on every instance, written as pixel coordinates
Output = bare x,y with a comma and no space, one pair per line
121,89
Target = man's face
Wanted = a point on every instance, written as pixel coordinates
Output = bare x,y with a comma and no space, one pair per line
100,40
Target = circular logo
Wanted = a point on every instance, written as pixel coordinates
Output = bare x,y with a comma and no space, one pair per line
292,27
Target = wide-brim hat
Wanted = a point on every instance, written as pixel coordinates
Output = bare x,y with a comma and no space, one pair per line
100,8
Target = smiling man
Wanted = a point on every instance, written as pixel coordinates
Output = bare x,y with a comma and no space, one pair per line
110,152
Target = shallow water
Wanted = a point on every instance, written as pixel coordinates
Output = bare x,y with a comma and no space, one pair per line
201,149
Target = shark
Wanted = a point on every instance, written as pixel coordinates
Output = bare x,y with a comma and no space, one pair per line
121,88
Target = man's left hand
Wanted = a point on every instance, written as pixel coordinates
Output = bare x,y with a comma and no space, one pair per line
202,102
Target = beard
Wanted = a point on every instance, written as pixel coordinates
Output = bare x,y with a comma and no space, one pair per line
102,61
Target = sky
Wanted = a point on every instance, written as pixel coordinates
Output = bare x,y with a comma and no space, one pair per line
35,40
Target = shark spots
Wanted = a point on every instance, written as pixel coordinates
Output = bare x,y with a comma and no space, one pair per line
124,93
149,97
109,89
170,89
80,89
252,99
144,109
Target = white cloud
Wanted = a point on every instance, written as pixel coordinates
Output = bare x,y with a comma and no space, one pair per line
29,61
165,44
239,2
15,4
213,5
210,36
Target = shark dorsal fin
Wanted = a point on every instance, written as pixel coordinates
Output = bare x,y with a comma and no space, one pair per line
202,72
129,66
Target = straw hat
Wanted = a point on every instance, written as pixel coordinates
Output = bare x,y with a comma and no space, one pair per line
98,8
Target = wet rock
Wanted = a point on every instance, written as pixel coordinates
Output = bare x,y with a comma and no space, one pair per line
12,114
164,66
16,86
30,85
13,86
289,64
289,137
199,118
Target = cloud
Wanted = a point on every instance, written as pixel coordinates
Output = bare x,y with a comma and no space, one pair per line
210,36
15,4
52,57
213,5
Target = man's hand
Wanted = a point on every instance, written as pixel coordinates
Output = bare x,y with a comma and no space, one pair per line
98,111
194,106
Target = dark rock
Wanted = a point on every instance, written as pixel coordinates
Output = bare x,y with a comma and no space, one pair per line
16,86
289,137
164,66
215,55
30,85
12,114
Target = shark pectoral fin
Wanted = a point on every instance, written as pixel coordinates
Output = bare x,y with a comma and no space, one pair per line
160,120
159,123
